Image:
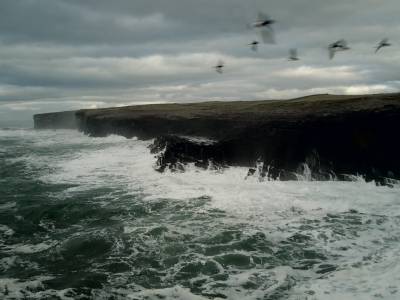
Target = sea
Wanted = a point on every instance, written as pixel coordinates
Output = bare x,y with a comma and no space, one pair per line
91,218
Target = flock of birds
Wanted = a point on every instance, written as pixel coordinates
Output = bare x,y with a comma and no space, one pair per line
264,25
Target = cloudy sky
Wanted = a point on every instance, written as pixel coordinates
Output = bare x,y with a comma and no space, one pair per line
68,54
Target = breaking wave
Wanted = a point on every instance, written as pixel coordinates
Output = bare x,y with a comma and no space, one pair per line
90,218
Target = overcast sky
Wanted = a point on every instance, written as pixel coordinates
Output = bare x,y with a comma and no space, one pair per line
68,54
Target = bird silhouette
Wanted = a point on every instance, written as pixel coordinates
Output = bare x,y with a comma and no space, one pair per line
263,20
254,45
219,66
383,43
264,25
293,55
340,45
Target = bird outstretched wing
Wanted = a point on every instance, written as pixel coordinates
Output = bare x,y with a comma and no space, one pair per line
267,35
218,67
293,53
261,17
331,52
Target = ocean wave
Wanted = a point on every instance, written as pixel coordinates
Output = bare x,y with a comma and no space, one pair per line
92,218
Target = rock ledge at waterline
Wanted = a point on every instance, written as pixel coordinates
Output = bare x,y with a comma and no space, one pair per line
333,135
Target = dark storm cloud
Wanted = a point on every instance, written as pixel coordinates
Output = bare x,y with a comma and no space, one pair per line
101,53
127,21
108,22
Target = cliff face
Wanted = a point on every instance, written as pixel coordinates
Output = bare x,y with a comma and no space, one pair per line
332,134
58,120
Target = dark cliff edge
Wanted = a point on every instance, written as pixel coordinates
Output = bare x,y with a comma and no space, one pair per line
324,136
57,120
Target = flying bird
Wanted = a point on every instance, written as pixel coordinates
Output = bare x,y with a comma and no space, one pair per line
263,20
340,45
383,43
254,45
219,66
293,55
264,25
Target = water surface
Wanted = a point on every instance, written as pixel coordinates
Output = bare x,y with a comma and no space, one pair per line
89,218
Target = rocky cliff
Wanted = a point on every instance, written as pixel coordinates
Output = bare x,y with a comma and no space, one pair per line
329,135
57,120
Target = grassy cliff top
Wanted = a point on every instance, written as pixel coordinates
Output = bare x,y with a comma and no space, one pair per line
315,104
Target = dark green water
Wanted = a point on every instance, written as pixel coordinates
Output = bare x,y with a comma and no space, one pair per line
85,218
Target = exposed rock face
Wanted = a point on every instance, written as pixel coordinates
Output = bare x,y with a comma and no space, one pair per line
58,120
332,134
175,151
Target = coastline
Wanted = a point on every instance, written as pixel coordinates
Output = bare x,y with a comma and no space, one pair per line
332,136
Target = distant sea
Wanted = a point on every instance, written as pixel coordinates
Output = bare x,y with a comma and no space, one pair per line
90,218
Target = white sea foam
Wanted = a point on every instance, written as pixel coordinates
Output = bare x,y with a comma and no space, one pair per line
29,249
11,289
369,267
7,262
176,292
5,230
8,205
